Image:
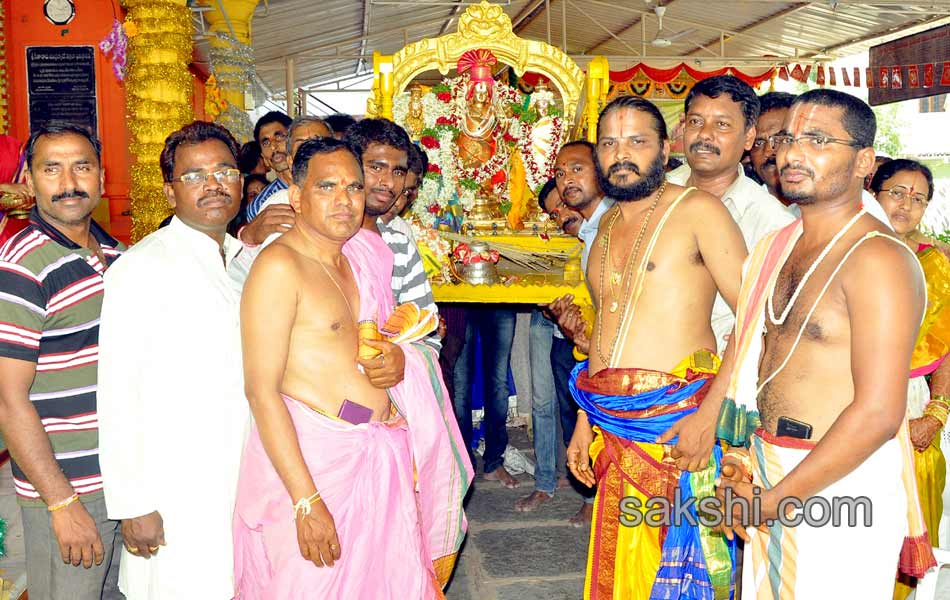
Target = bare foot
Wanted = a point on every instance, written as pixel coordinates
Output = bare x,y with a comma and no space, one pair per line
506,478
583,516
532,501
563,482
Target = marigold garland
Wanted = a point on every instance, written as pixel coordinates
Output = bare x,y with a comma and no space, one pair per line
159,89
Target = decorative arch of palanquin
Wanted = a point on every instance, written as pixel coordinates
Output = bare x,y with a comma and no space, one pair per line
484,26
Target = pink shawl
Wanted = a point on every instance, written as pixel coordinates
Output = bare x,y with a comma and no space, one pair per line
443,469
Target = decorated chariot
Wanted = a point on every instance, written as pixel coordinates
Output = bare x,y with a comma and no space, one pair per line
491,129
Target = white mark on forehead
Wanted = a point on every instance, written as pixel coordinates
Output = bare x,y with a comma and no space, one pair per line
803,118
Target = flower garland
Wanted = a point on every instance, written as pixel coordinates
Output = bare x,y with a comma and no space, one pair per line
115,44
443,108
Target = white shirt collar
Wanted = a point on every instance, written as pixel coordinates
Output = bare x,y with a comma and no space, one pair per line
202,245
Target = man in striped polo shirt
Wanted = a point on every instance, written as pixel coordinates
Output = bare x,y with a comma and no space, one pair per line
50,298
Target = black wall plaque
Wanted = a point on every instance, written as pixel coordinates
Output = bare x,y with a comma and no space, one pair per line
62,85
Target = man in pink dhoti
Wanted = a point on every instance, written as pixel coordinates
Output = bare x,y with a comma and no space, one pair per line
346,490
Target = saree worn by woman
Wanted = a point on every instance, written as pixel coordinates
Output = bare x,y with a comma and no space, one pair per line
931,349
394,488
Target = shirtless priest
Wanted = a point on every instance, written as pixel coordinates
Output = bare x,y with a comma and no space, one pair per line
820,400
660,255
327,503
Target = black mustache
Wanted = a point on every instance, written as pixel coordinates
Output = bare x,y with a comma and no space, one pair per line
622,165
769,161
382,191
703,146
69,194
212,196
571,189
808,172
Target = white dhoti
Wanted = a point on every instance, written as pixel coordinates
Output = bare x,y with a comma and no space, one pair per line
813,560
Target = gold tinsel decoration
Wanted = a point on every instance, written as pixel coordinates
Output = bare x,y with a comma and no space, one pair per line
4,116
159,91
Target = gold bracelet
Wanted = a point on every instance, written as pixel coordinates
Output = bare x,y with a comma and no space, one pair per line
941,398
63,503
937,410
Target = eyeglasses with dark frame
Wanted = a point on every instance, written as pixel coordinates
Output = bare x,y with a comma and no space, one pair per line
222,176
808,142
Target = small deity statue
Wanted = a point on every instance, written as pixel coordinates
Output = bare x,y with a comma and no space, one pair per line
476,143
414,120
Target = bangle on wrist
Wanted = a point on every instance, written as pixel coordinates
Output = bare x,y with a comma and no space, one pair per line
938,410
62,503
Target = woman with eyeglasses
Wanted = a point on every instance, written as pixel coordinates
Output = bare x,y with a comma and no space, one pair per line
904,189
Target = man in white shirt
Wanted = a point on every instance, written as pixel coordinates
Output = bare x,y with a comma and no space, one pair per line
721,113
172,412
577,186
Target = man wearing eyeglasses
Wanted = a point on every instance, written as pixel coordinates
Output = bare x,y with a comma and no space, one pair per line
270,132
841,301
171,389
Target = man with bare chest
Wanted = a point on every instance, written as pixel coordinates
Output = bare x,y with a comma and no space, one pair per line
660,256
820,399
327,475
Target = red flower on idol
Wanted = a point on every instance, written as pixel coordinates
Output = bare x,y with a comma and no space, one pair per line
429,142
434,168
444,96
445,120
434,209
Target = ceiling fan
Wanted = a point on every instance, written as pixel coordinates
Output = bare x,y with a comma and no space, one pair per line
665,39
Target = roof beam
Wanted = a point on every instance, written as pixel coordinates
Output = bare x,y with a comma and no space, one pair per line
623,30
528,15
767,20
354,40
455,12
609,33
872,36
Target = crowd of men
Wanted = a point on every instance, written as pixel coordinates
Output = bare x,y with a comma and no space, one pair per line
199,417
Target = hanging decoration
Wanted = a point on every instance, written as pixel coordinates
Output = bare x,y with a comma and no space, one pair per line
159,90
115,44
3,538
232,62
4,116
673,83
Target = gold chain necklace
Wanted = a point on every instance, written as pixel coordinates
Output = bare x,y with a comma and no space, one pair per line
340,289
624,275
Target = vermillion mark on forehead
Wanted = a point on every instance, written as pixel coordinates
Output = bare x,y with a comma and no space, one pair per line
627,122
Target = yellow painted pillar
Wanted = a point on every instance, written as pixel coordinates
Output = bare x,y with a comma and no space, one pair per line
386,90
159,96
237,15
598,84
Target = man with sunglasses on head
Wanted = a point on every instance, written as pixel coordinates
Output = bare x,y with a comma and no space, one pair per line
171,388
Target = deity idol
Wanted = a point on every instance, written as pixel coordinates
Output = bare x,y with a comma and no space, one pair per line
481,123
